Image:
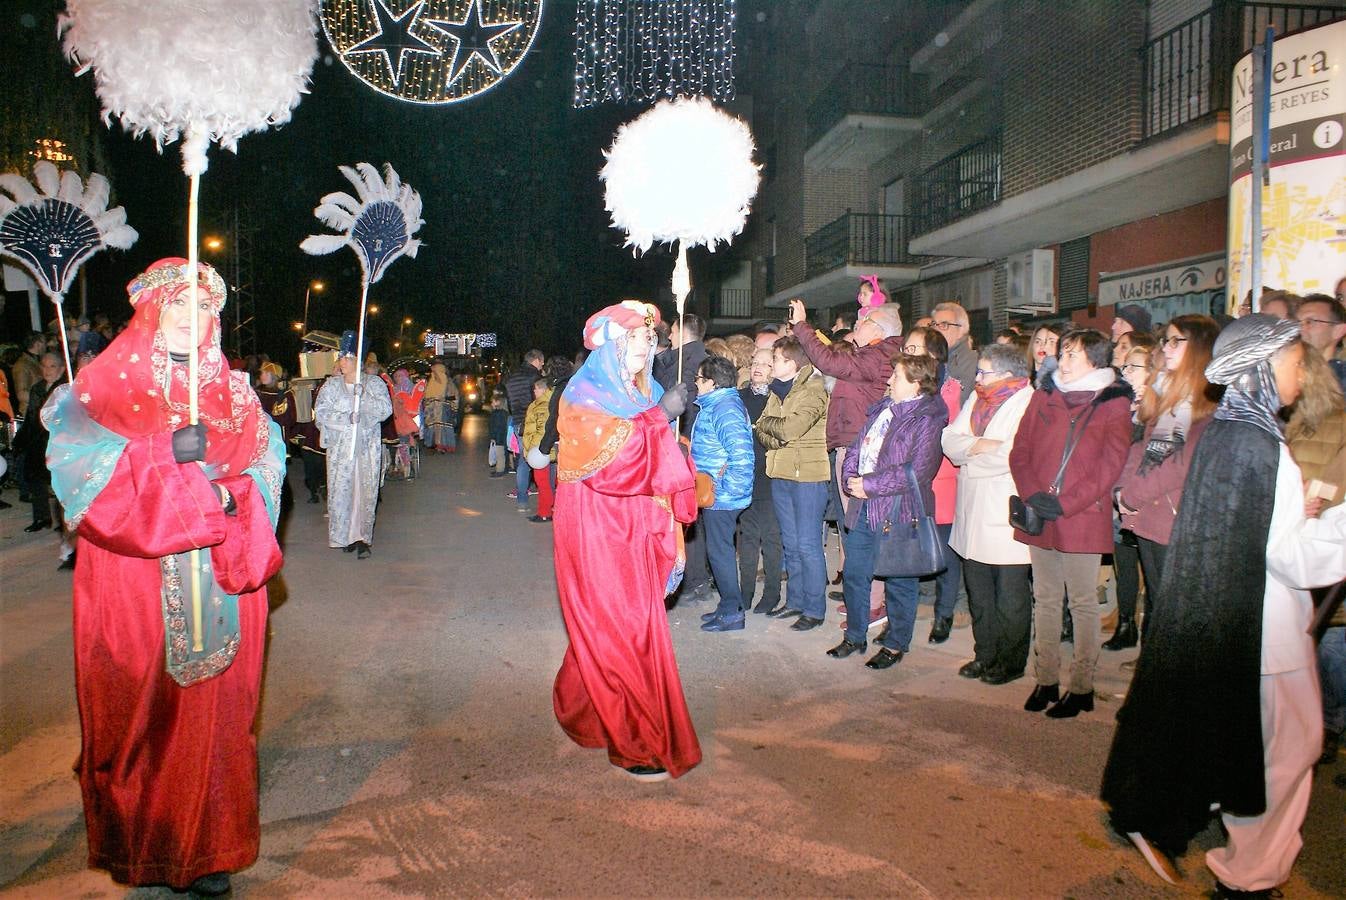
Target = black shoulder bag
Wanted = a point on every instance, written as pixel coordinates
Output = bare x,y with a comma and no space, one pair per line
1026,518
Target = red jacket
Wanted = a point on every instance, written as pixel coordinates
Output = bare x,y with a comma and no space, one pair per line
1156,495
1085,525
862,377
946,480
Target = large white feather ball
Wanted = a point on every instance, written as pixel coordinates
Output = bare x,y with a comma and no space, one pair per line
209,70
682,171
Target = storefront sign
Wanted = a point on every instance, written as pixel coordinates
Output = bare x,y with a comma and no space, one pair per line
1304,207
1202,273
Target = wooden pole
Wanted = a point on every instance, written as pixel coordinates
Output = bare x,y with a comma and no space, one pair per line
193,380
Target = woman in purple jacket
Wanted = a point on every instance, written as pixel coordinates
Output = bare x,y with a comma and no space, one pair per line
903,429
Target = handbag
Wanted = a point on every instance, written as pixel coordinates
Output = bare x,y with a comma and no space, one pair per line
705,488
1026,518
912,548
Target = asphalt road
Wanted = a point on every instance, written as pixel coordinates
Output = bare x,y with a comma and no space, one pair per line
408,746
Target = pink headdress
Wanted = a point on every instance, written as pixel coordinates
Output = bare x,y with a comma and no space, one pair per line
877,298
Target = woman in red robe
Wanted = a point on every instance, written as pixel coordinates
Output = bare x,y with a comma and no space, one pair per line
168,758
624,487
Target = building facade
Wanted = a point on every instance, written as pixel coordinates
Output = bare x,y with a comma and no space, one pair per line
1030,159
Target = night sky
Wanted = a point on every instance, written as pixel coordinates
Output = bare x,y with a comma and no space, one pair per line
516,239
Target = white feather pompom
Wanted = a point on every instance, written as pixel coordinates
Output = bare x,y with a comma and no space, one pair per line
205,71
682,171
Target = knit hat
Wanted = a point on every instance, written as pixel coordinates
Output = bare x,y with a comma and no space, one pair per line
1137,317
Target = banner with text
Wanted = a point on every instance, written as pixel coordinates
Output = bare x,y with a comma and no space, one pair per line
1304,206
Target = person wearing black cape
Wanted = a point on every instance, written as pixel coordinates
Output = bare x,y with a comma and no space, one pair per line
1224,711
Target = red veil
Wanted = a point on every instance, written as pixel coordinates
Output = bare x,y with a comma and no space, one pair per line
132,388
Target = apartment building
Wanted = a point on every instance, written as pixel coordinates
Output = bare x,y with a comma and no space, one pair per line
1033,160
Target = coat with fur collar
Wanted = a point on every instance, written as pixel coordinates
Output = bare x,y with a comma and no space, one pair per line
1085,525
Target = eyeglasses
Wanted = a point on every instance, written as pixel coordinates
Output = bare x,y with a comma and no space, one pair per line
981,373
944,326
1172,342
913,349
1131,367
1309,320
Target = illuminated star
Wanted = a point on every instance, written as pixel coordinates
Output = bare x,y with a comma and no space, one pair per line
472,37
395,34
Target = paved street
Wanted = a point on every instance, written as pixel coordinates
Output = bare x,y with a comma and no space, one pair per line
408,746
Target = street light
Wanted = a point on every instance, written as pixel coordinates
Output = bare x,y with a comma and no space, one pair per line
407,320
213,244
298,326
373,310
312,286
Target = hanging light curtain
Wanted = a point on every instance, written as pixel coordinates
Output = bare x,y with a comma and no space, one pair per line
641,51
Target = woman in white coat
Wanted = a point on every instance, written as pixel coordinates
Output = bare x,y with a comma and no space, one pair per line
995,565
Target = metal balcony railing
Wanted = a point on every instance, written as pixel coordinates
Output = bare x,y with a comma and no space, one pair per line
866,88
859,239
732,303
1187,68
961,184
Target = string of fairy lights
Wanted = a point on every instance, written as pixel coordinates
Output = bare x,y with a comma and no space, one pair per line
640,51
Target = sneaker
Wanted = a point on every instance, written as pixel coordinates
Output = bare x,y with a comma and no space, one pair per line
513,495
532,490
539,518
646,773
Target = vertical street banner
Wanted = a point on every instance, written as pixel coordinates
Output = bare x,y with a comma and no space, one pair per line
1304,207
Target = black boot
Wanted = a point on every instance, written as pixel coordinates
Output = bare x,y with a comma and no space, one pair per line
1124,637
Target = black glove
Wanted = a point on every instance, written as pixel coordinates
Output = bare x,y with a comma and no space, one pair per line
674,401
1046,505
189,443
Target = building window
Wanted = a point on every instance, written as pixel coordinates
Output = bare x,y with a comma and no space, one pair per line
1072,274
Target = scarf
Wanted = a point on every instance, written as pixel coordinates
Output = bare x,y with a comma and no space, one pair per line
1170,430
1092,381
598,404
1242,362
134,388
989,400
761,390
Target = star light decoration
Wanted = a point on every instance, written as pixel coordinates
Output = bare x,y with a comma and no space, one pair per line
431,51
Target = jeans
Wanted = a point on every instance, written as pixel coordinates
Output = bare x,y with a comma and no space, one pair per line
948,581
1126,569
1001,602
718,526
1152,564
523,474
799,511
759,536
900,594
1332,673
1057,575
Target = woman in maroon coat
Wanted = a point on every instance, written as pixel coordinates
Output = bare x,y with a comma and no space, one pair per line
1085,403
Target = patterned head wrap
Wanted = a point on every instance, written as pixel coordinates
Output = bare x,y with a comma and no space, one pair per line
1242,362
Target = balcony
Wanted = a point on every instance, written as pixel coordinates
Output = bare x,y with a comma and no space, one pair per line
1181,158
852,245
1187,68
862,115
961,184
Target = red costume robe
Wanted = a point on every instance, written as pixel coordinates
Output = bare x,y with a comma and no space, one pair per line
616,543
168,773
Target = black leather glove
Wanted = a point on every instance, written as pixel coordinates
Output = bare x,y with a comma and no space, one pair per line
189,443
1046,505
674,401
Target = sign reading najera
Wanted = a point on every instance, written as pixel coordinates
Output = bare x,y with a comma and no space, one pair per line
1185,276
1304,207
